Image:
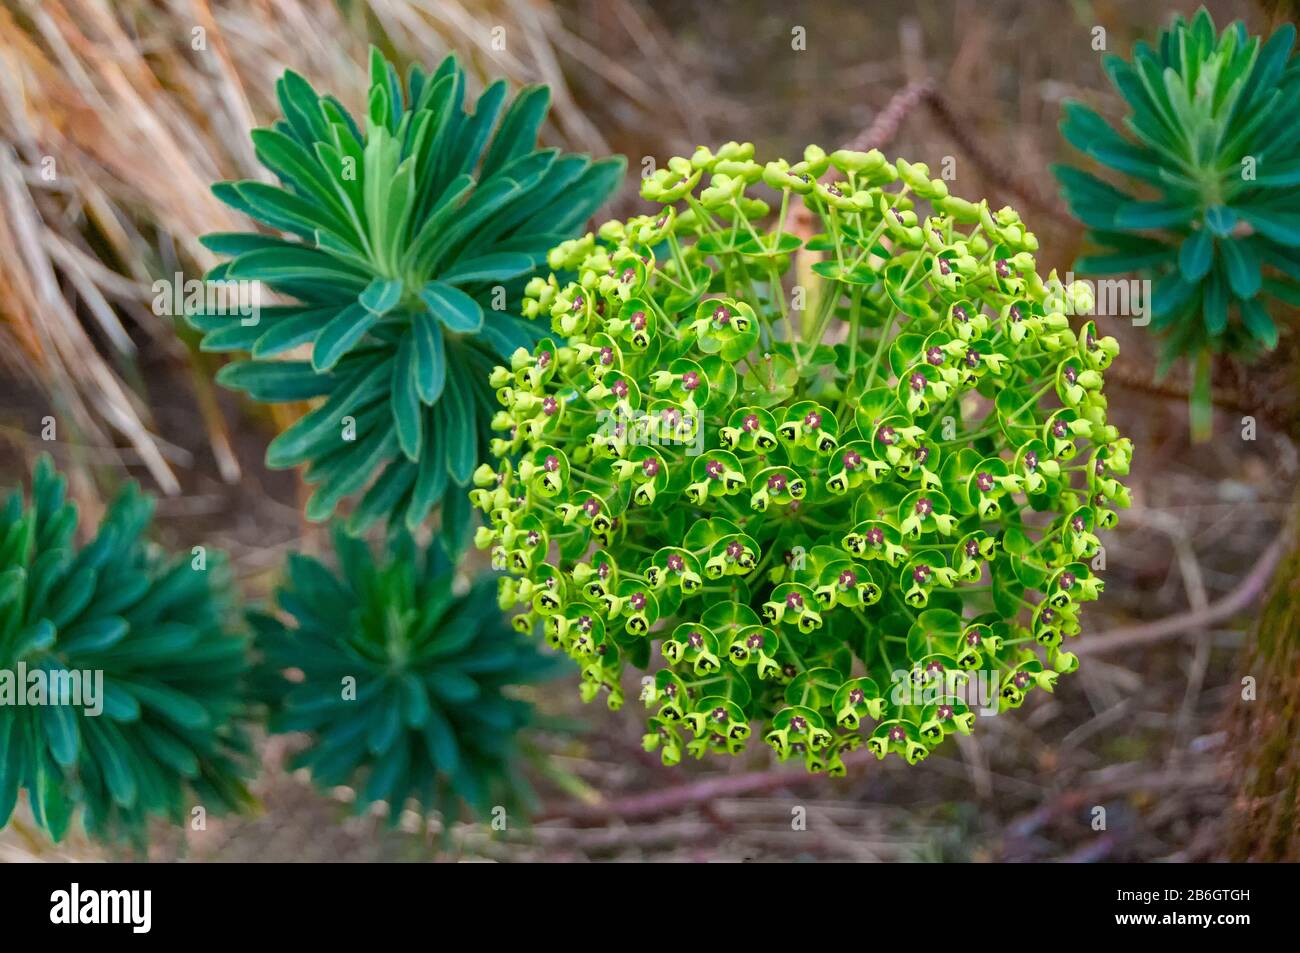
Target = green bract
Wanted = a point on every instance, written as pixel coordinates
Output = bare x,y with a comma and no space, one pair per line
167,736
1211,136
408,240
399,679
834,532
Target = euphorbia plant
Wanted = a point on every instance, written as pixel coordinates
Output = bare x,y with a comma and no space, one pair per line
827,531
411,235
1211,137
152,722
402,681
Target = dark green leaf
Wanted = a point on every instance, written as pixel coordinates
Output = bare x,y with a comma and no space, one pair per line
1221,220
381,295
500,266
408,413
456,310
518,132
430,361
1154,215
1196,255
1242,267
1258,323
276,381
1281,227
341,335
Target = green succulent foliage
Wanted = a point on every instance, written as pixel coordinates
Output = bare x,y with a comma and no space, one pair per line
843,487
402,239
402,683
169,735
1211,134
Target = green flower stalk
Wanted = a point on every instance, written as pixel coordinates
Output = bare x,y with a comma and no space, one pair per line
403,682
840,522
1211,137
147,637
407,242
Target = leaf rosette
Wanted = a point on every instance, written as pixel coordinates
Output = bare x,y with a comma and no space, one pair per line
408,239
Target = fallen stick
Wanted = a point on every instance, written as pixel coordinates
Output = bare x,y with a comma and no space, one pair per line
667,800
1247,591
889,119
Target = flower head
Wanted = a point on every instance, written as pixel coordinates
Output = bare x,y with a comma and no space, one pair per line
846,503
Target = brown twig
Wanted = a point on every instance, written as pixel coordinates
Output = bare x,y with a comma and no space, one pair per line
667,800
1250,402
890,119
1247,591
1076,799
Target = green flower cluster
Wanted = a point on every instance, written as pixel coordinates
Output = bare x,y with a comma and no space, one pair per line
401,681
835,478
134,681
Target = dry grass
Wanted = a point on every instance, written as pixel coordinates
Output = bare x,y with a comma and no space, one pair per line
116,118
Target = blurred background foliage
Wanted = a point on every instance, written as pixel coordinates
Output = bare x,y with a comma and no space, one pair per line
114,119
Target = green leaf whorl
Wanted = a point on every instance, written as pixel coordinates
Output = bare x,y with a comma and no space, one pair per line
401,681
170,733
1212,128
406,241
